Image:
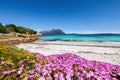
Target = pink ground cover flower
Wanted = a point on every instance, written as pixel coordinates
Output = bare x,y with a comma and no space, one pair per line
8,71
69,67
20,70
41,78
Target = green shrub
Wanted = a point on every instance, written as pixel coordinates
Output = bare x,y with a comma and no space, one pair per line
18,29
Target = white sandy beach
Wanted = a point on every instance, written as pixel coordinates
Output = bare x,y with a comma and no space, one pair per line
100,51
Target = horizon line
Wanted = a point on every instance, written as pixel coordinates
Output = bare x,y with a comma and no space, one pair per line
92,32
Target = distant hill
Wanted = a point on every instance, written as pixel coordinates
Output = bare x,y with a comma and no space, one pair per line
18,29
52,32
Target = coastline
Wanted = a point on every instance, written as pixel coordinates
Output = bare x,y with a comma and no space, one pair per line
17,38
105,51
99,51
14,41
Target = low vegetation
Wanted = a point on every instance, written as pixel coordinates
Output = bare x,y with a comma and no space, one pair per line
18,29
13,61
19,64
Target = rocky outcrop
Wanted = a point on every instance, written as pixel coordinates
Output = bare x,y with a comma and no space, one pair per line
16,41
52,32
17,38
28,36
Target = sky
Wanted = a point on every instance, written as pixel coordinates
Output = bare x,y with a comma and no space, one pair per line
72,16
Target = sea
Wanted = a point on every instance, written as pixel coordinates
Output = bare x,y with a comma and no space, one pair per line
82,37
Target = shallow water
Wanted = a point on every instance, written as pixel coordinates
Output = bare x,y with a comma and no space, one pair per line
82,37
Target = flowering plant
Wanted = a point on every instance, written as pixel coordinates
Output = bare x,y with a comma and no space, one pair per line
18,64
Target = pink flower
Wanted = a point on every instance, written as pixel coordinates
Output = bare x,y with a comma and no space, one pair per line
7,72
41,78
26,78
20,70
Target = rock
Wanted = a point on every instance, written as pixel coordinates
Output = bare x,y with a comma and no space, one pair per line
17,41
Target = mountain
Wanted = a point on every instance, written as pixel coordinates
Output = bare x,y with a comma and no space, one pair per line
52,32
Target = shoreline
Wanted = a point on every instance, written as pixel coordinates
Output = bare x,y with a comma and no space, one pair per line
17,38
88,51
110,46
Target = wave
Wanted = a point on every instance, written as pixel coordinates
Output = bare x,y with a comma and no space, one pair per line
100,41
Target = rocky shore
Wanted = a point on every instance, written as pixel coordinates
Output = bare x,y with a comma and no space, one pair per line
13,41
17,38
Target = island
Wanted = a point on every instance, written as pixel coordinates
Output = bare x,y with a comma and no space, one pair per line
52,32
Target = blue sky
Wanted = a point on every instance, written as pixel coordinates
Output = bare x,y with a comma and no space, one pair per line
75,16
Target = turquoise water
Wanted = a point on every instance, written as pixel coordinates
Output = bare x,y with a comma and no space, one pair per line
81,37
